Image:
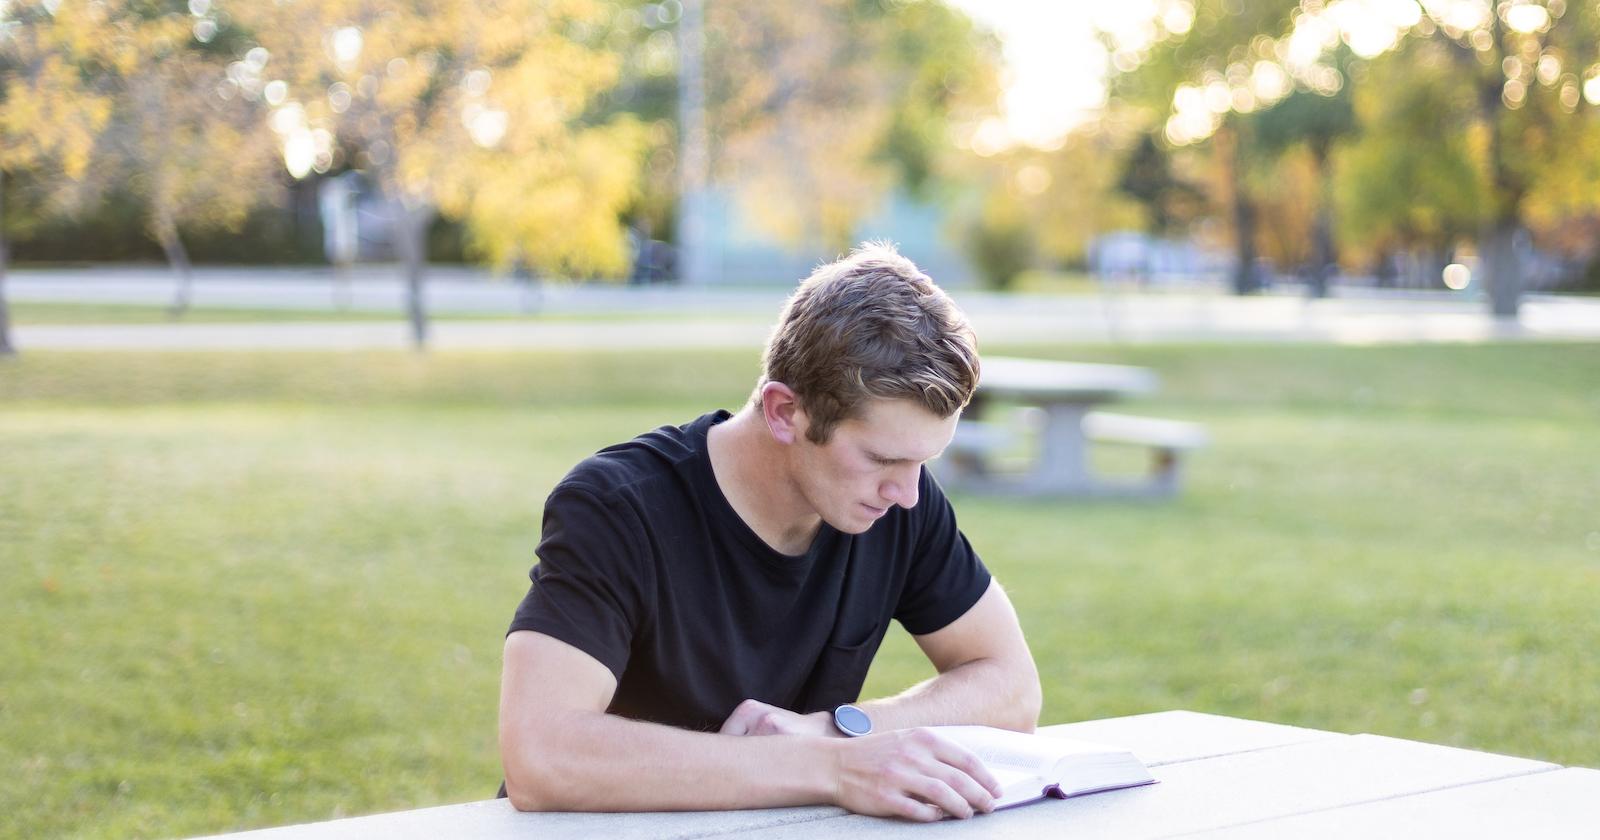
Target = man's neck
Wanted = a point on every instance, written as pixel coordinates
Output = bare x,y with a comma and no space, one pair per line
753,475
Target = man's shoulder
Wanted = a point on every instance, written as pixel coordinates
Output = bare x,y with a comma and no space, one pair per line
664,455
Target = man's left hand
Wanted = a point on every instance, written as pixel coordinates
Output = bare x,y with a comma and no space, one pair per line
753,717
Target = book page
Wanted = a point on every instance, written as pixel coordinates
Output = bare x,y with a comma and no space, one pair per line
1026,765
1033,754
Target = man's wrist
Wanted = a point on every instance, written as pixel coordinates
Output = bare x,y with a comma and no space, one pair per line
829,754
824,724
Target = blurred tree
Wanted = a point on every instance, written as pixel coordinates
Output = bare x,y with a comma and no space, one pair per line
1001,239
1562,140
942,69
1078,199
641,34
182,138
1170,202
819,109
1523,61
1528,66
1191,69
875,88
480,110
1315,122
1065,197
1410,182
48,117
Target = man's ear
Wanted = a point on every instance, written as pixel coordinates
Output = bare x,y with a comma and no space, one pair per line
780,407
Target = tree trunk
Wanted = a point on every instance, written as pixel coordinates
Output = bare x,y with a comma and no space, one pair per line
6,347
1496,246
1499,263
411,227
1245,279
1324,259
178,258
1498,257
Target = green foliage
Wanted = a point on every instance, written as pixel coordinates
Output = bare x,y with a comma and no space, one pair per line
1170,202
1220,34
190,155
1476,126
829,105
248,590
1305,117
943,67
1001,241
115,231
487,113
1068,195
1412,178
49,115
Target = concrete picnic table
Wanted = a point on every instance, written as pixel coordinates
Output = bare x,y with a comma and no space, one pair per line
1217,776
1060,399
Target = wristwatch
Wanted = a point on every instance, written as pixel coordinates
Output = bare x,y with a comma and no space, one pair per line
852,721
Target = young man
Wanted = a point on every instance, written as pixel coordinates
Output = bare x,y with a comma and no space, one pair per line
734,577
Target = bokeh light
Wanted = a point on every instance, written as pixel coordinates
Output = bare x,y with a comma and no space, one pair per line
346,44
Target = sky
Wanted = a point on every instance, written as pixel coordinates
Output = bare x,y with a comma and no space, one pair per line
1055,67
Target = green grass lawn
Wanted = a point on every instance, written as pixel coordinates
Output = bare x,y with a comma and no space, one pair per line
247,590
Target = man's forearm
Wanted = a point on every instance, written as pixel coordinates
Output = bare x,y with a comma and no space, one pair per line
591,761
984,691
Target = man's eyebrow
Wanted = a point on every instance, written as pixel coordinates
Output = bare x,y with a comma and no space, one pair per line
878,456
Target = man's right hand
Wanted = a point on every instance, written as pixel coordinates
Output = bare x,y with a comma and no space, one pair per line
753,717
913,774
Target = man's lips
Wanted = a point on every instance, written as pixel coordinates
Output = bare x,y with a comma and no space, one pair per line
876,512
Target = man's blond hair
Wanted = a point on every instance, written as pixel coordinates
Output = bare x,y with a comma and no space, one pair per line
870,326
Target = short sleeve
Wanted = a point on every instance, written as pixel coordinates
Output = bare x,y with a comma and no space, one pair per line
945,577
587,587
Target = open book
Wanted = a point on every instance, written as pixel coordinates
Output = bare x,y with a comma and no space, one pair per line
1031,767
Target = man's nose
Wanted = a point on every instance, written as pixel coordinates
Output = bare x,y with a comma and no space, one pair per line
901,489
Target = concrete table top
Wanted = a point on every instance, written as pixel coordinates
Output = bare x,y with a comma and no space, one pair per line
1051,381
1217,775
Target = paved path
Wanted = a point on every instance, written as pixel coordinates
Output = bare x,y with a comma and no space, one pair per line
375,288
572,316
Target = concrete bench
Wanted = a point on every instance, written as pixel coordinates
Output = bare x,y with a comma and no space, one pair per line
1053,411
979,446
1167,440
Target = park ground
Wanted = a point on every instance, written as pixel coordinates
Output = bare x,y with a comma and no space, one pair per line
254,308
248,589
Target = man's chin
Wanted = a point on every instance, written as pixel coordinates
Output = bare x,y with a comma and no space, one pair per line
861,520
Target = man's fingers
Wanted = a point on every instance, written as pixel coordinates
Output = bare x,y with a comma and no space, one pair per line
914,774
935,792
747,718
907,808
923,812
969,764
968,788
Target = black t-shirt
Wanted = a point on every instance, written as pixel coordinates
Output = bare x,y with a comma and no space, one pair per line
644,565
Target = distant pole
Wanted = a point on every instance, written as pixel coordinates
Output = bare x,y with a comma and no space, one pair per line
6,347
697,264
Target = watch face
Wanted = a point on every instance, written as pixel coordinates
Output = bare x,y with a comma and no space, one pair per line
852,720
